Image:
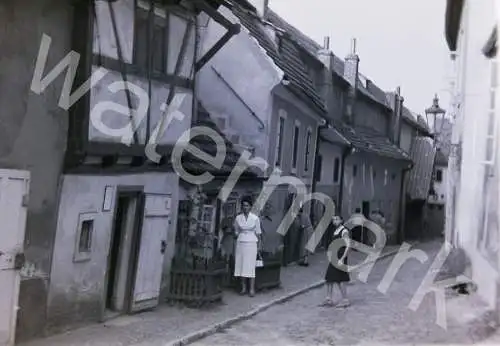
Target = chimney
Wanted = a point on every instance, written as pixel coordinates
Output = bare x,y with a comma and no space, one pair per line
351,71
326,81
395,128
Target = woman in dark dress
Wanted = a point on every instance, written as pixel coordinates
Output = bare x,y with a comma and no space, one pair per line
336,274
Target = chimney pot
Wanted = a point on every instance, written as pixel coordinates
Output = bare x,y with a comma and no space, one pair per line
353,46
326,44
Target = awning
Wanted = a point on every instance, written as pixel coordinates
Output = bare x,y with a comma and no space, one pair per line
452,22
490,48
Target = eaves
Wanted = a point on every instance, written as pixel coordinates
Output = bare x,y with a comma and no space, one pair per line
453,17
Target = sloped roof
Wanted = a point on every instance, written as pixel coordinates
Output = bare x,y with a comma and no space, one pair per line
362,138
285,55
369,140
408,116
194,165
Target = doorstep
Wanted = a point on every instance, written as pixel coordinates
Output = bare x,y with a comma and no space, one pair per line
179,325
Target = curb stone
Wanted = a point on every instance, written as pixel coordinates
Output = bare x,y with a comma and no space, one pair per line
213,329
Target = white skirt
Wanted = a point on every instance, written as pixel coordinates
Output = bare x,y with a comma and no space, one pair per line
245,259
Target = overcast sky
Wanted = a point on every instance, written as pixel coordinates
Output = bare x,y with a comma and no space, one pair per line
399,42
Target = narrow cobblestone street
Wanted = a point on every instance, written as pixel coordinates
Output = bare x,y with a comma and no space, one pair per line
373,318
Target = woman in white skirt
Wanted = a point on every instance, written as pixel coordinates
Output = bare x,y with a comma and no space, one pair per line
248,232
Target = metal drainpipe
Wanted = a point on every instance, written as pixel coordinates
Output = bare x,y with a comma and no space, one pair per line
347,152
402,205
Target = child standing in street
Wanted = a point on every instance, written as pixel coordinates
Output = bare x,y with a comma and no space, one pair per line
336,274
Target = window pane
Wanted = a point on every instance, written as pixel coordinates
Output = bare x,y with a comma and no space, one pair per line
178,28
85,243
308,148
159,45
336,170
295,146
279,148
141,39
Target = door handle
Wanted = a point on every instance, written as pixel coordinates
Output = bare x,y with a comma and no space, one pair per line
163,247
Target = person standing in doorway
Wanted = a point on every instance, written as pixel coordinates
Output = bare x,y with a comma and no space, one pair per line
248,232
306,232
336,274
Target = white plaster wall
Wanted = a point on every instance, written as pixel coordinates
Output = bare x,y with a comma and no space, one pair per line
329,153
477,22
111,108
104,37
73,284
406,137
473,84
252,75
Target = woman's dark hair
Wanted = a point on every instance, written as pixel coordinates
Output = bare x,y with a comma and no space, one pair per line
247,199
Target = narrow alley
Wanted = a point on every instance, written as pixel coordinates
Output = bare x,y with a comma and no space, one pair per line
373,318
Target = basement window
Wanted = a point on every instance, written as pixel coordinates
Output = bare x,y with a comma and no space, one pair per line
85,233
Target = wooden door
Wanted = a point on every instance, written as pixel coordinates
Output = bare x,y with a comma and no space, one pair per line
153,245
14,186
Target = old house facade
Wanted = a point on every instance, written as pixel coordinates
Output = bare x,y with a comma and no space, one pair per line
266,103
472,200
102,205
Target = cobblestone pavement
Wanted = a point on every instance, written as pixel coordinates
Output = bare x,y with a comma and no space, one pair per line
169,323
373,318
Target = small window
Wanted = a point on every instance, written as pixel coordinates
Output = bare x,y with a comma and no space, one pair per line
439,175
336,170
85,242
296,137
354,170
319,167
308,150
84,235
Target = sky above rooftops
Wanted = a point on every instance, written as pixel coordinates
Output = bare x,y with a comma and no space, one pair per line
399,42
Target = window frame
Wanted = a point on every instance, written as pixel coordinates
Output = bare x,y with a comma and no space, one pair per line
278,150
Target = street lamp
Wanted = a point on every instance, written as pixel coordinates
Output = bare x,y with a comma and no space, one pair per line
435,111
